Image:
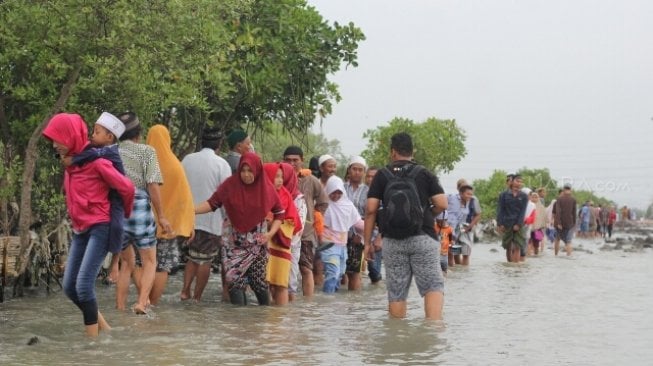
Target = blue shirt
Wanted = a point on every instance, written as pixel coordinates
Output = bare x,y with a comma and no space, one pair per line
511,209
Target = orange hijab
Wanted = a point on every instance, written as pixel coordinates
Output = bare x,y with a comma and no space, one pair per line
176,198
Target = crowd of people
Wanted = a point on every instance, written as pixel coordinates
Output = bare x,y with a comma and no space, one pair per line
276,229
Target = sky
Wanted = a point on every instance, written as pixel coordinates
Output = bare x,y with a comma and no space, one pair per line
558,84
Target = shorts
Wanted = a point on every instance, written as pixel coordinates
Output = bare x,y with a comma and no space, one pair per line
584,227
565,235
204,247
355,257
415,256
307,255
140,227
167,254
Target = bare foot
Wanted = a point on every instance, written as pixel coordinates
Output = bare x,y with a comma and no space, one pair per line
184,296
139,309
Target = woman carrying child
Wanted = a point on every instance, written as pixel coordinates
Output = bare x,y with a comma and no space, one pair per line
87,199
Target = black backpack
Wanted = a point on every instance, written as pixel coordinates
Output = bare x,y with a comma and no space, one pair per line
402,214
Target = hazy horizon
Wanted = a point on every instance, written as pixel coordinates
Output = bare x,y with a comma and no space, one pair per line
537,84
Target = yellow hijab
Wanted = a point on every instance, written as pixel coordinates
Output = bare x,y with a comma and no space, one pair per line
176,197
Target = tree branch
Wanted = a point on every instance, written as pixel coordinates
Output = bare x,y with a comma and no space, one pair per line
31,154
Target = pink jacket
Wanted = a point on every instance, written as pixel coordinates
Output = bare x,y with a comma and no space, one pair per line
87,187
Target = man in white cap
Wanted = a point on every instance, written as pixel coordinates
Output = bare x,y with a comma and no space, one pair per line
356,190
327,164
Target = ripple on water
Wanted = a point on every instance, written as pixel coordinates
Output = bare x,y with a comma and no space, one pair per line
593,309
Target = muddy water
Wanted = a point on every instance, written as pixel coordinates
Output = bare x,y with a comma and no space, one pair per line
592,309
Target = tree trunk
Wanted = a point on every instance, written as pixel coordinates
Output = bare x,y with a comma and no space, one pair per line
25,217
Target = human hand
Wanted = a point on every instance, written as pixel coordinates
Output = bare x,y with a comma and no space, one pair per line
165,226
516,228
377,243
262,239
369,253
67,160
501,228
113,275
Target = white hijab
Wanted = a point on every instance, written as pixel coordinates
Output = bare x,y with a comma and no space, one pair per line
342,214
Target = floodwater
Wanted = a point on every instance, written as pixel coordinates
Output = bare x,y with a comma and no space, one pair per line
592,309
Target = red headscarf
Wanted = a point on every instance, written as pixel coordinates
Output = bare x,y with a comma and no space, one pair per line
68,129
248,204
290,180
285,197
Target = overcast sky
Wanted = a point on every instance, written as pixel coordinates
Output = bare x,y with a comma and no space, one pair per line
559,84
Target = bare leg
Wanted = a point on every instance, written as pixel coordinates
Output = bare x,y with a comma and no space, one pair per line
148,257
189,275
465,260
556,246
568,248
124,277
433,303
456,259
102,323
450,259
92,330
397,309
318,272
279,294
355,282
158,287
515,253
203,273
308,284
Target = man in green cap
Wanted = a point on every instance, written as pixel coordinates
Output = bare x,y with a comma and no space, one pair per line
239,143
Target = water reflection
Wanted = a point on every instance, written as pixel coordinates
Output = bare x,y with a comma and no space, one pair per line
590,310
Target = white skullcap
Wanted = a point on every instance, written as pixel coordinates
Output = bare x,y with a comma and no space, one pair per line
357,160
111,123
324,158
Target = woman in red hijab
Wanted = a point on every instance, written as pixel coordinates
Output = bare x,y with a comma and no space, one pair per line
247,198
87,198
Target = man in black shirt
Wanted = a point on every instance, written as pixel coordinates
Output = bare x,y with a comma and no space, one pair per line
417,255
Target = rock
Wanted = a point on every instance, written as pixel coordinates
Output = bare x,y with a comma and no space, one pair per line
606,247
610,240
647,246
619,245
649,239
32,341
494,250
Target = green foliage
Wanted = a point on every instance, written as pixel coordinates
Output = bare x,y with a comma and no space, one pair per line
11,169
438,144
271,142
539,178
185,64
487,191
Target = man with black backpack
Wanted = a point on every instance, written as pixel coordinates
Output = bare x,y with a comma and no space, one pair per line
403,198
